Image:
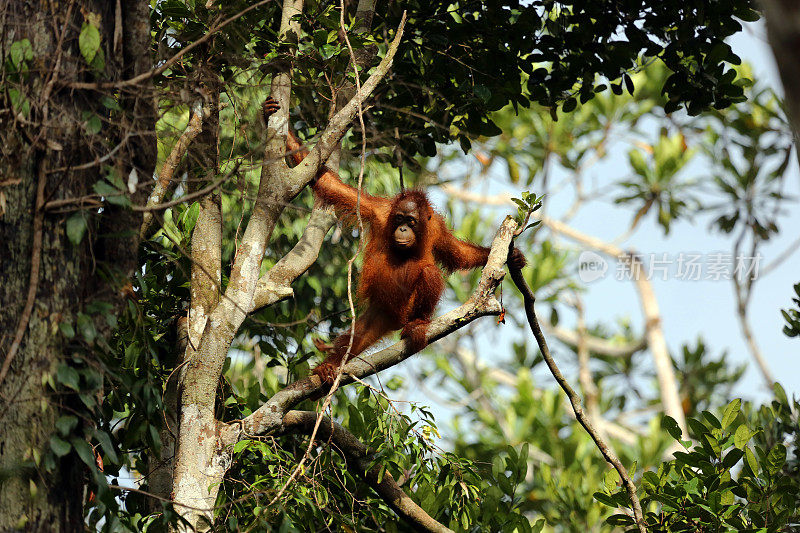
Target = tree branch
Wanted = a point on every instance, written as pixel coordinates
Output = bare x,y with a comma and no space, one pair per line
193,128
169,62
357,459
594,344
574,399
337,126
275,285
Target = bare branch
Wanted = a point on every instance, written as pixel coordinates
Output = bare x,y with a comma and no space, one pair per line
167,172
307,169
574,399
356,456
594,344
275,285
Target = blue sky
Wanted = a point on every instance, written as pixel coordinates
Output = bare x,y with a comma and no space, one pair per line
692,309
706,308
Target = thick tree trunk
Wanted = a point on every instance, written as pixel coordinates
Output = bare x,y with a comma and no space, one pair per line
30,498
43,132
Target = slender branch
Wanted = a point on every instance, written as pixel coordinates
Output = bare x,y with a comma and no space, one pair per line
93,200
337,126
574,399
742,290
594,344
167,172
191,196
97,161
585,378
357,459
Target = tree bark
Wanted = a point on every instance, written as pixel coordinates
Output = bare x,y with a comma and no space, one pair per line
41,270
783,29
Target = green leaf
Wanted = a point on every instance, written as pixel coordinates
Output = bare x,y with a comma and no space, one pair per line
59,446
776,458
730,413
751,460
732,458
712,419
93,124
611,480
65,424
241,445
628,83
780,394
76,227
20,51
189,217
741,436
84,451
671,426
66,329
86,328
103,188
749,15
110,103
482,92
66,375
105,442
638,162
89,42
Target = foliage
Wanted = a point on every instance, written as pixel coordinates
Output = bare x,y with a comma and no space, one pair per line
455,67
453,490
736,476
517,457
792,316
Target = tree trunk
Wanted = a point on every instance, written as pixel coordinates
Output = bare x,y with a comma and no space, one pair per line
45,279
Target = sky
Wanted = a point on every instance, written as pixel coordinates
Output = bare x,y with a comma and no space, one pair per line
691,309
707,308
